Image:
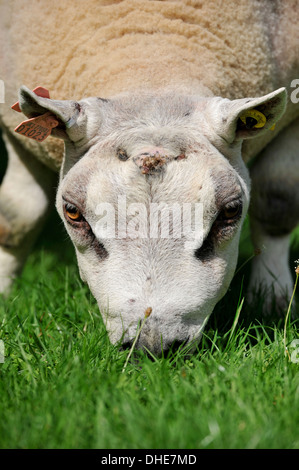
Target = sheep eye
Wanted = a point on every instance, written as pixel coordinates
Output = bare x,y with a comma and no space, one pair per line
72,213
230,212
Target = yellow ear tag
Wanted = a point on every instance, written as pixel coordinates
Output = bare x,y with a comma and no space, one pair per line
255,114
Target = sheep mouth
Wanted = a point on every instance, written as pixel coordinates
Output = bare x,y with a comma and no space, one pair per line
158,350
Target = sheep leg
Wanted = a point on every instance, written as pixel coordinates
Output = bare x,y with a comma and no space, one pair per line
25,195
274,213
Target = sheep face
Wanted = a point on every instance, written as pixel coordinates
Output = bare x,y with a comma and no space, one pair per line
154,211
153,193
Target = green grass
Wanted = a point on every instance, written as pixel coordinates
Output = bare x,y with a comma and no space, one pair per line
62,386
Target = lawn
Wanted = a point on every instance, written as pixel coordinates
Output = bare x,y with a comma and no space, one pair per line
62,383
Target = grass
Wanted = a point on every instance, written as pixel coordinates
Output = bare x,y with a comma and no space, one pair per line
63,385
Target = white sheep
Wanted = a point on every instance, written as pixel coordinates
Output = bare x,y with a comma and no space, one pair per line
174,126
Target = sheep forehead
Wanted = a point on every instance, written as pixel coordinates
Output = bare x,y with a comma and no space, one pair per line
145,111
164,104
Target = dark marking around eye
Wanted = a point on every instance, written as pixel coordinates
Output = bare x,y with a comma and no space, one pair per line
87,234
221,230
206,251
99,249
82,227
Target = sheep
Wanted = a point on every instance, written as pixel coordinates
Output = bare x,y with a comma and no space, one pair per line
153,103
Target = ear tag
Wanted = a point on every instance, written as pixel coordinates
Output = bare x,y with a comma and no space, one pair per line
39,91
38,128
259,117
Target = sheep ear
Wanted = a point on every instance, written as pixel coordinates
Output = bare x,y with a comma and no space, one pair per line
70,115
249,117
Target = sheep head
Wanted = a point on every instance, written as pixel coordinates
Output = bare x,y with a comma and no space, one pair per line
153,192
